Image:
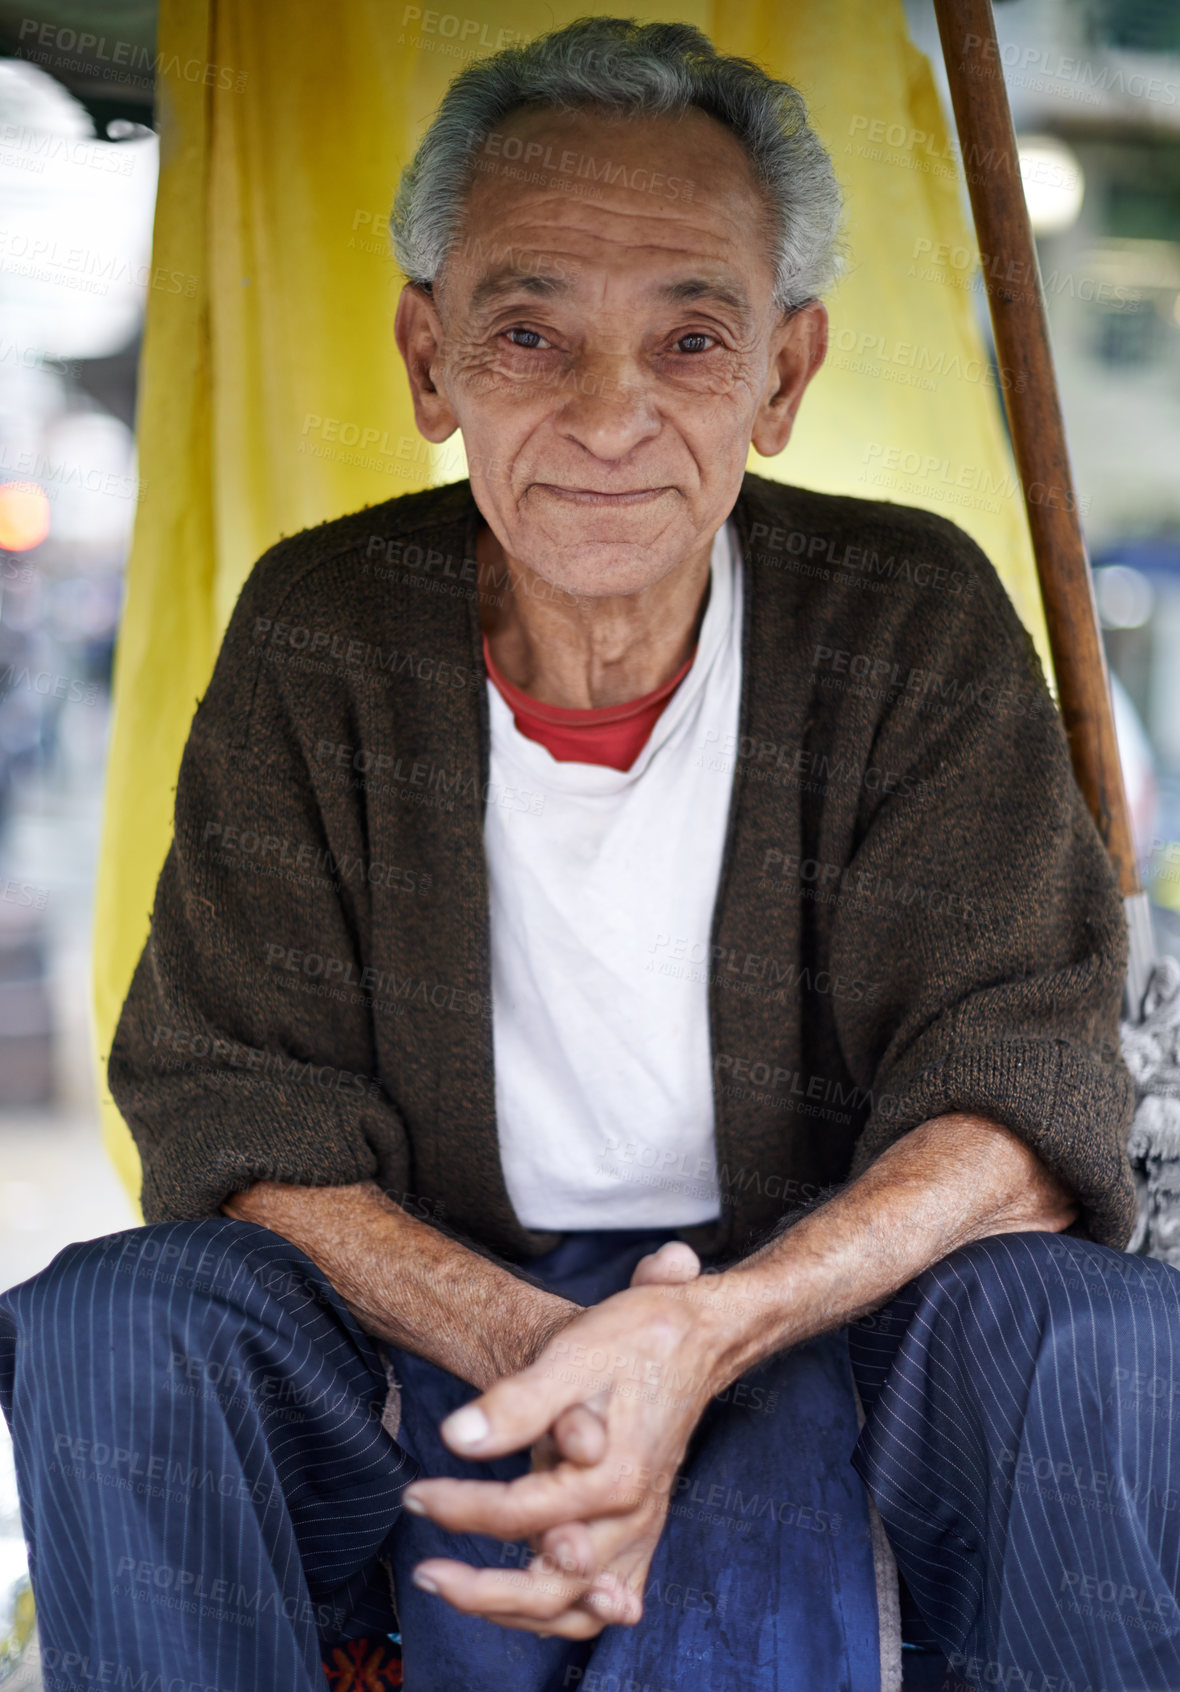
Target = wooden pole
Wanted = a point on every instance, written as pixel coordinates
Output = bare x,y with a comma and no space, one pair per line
1008,258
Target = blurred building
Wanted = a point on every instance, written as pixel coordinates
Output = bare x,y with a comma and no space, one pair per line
75,248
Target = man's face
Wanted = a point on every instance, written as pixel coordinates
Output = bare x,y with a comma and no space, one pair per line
620,342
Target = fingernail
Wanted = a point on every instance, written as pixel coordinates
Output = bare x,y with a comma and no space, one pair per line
424,1582
467,1427
413,1503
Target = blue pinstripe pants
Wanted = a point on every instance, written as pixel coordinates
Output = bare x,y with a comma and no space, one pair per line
1022,1442
211,1486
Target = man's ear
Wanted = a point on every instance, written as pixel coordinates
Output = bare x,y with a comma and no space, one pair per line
799,347
418,331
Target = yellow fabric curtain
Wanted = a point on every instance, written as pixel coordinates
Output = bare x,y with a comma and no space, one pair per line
272,395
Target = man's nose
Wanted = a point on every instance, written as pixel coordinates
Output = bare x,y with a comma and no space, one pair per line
607,407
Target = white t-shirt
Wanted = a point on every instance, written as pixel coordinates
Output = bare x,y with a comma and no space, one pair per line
604,1092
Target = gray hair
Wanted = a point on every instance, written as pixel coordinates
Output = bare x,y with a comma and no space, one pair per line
627,69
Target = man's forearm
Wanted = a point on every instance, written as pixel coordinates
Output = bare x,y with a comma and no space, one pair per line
952,1180
407,1283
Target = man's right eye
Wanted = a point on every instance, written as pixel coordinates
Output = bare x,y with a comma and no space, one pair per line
520,329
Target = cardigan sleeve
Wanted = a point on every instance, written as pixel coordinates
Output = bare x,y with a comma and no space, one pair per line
980,898
229,1063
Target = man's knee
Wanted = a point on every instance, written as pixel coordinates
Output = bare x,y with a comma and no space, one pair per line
1011,1259
137,1266
1029,1282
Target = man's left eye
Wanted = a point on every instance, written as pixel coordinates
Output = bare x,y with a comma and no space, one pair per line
695,335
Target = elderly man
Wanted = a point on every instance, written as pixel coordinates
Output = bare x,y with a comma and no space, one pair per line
633,947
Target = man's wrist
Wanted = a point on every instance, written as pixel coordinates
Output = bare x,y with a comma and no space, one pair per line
949,1181
537,1328
744,1315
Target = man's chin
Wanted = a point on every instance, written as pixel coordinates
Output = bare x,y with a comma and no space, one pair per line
604,571
600,550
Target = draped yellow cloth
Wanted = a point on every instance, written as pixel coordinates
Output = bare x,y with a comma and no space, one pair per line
272,395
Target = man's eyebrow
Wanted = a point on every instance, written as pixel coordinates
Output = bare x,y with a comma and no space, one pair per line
510,280
701,288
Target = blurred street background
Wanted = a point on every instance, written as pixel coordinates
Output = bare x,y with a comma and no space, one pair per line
1095,91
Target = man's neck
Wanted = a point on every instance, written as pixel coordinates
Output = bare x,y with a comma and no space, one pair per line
585,653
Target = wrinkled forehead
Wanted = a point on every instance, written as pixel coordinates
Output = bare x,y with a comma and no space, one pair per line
558,197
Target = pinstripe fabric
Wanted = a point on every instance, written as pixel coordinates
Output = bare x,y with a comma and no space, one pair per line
211,1496
1023,1401
207,1487
205,1482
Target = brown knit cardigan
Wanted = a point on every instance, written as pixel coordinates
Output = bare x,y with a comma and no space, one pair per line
915,913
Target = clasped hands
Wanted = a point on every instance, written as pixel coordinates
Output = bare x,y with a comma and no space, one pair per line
606,1441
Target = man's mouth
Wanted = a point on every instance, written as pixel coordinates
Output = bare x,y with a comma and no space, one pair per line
593,496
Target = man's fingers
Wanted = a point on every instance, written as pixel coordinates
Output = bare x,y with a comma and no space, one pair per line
612,1601
540,1592
611,1555
580,1435
674,1263
571,1547
573,1624
520,1409
538,1598
516,1509
628,1338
